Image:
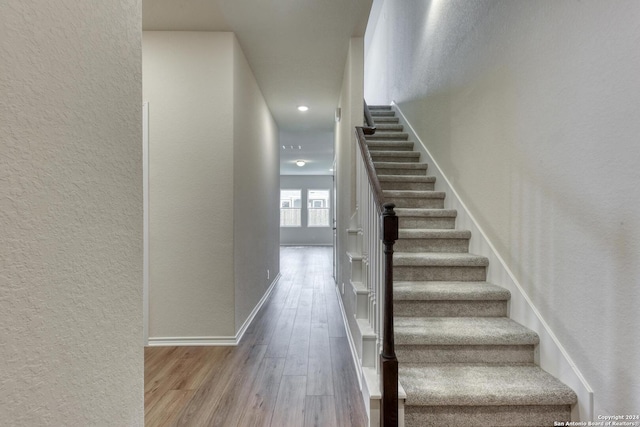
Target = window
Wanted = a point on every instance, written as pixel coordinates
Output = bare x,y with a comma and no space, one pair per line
318,208
290,208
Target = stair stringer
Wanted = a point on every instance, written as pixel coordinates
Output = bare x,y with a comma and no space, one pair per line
550,355
363,341
368,379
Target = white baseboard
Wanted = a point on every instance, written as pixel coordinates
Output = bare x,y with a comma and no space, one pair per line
368,381
553,358
256,309
306,244
372,414
352,346
212,340
191,341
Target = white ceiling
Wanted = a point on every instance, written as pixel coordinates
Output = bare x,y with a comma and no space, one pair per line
296,49
315,148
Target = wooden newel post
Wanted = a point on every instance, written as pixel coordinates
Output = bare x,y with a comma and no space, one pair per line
388,360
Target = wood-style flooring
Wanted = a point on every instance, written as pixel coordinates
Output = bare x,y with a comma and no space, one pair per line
292,368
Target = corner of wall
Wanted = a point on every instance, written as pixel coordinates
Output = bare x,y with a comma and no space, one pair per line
351,104
256,185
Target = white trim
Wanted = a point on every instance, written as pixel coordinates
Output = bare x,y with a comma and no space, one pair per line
216,341
372,396
328,245
352,346
368,379
256,309
192,341
554,359
145,222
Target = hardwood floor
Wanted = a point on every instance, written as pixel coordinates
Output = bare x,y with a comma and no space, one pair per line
292,368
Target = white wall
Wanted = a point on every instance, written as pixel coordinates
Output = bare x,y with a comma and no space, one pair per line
256,175
351,98
214,184
70,214
532,111
188,81
308,235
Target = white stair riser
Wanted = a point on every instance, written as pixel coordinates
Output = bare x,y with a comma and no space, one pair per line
353,240
369,352
356,270
362,305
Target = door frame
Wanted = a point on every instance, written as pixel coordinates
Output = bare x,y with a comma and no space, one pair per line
335,224
145,221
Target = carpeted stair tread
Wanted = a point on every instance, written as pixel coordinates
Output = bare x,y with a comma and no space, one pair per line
406,233
482,385
389,127
377,146
387,135
382,113
379,107
386,119
406,178
414,194
395,156
418,212
398,140
398,153
461,331
449,291
439,259
400,165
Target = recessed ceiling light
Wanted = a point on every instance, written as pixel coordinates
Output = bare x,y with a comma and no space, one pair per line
303,108
300,163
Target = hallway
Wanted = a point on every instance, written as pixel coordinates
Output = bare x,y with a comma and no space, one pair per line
292,368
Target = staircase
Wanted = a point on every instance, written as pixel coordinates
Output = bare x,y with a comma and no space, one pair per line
462,361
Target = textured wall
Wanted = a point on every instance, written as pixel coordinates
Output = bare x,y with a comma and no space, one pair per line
308,235
188,81
256,177
532,109
70,214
